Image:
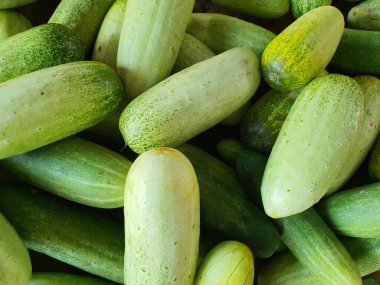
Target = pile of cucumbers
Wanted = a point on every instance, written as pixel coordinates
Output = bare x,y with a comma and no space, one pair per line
133,149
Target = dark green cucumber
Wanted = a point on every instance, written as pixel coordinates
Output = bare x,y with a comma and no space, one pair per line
72,234
374,162
228,150
370,281
12,23
300,7
53,278
224,208
8,4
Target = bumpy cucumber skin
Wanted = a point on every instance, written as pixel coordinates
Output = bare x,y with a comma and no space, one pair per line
70,233
301,52
225,208
221,33
15,265
228,150
161,219
38,48
47,105
365,16
75,169
300,7
191,101
229,262
12,23
8,4
310,151
50,278
374,162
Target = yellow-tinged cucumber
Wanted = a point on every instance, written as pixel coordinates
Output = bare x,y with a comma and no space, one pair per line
12,23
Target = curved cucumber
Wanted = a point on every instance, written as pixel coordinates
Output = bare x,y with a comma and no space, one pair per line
365,16
228,150
161,219
374,162
12,23
8,4
300,7
50,278
50,104
301,52
200,97
75,169
310,150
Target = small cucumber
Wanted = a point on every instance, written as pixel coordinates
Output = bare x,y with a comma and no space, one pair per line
8,4
300,7
365,16
52,278
229,262
161,219
12,23
374,162
228,150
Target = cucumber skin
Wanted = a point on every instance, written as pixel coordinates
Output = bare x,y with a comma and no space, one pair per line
88,92
224,207
365,16
370,281
7,4
374,162
300,7
38,48
12,23
75,169
50,278
316,174
228,150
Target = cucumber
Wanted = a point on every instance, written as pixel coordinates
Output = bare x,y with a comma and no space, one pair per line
365,16
75,169
303,50
50,104
224,207
73,234
318,249
354,212
38,48
228,150
12,23
229,262
8,4
49,278
358,53
161,219
310,150
300,7
151,37
200,97
15,265
374,162
82,17
221,32
370,281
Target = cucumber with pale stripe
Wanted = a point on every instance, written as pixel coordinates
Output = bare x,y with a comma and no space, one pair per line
12,23
300,7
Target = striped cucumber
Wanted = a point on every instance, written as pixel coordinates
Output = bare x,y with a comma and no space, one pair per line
75,169
49,278
8,4
374,162
161,219
12,23
228,150
300,7
365,16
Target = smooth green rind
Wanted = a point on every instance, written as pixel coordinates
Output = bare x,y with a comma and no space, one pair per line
303,50
151,37
82,17
12,23
161,219
50,278
229,262
365,16
75,169
15,265
374,162
354,212
191,101
310,151
8,4
38,48
73,234
50,104
221,32
300,7
228,150
224,207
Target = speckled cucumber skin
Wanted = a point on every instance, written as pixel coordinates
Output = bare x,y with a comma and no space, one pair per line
374,162
229,262
50,278
48,105
313,145
365,16
301,52
38,48
75,169
8,4
12,23
161,219
15,265
300,7
191,101
221,33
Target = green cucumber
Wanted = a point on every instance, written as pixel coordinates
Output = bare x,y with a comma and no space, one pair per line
310,150
358,53
300,7
12,23
50,104
82,17
229,262
365,16
75,169
370,281
224,207
354,212
70,233
161,219
38,48
303,50
15,265
374,162
151,37
200,97
8,4
49,278
228,150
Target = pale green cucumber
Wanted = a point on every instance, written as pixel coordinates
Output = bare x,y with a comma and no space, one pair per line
374,162
365,16
38,48
300,7
191,101
53,278
228,150
161,219
50,104
313,145
151,37
8,4
15,265
229,262
75,169
221,32
12,23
